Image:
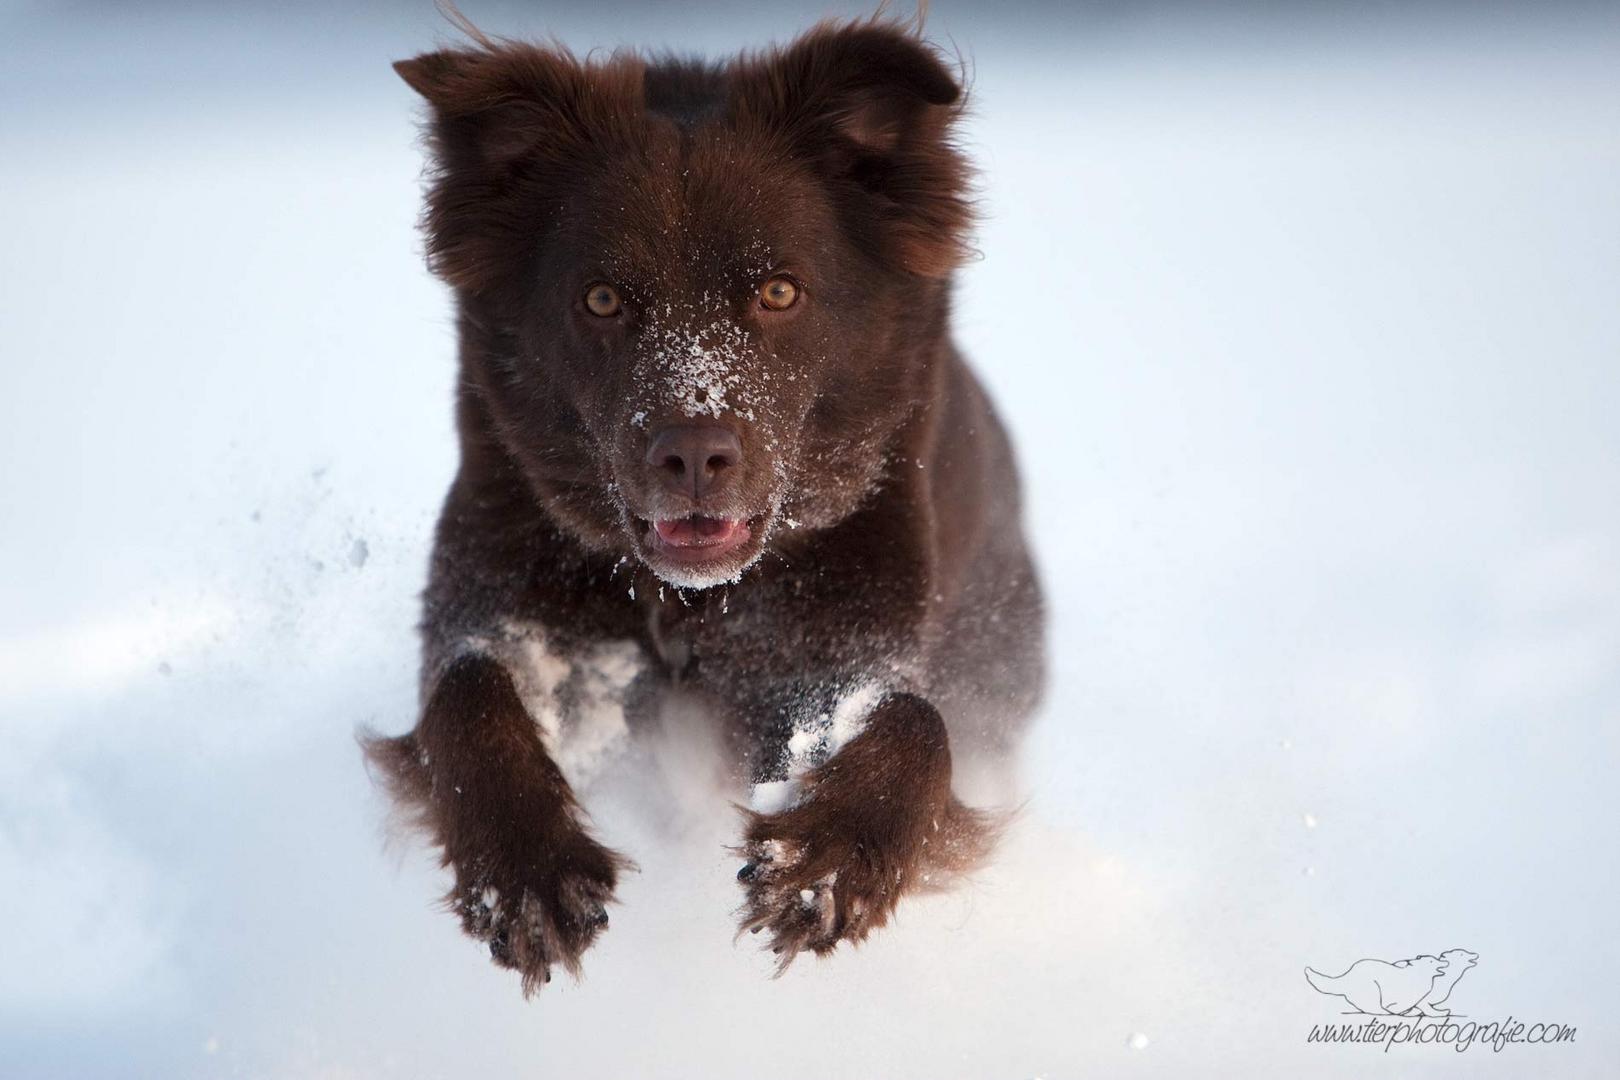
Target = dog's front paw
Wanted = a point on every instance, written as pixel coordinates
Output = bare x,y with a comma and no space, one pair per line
817,875
875,822
539,912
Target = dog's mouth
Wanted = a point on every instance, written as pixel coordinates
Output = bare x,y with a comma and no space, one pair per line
699,535
699,550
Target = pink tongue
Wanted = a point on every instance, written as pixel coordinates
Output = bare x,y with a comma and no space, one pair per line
696,531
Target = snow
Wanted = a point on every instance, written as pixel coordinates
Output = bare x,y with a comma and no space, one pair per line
699,359
773,796
816,738
1304,323
849,716
596,729
599,732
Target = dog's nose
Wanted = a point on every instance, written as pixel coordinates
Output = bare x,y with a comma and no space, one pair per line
695,459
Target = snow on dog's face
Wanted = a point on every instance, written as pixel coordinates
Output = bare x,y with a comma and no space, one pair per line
686,290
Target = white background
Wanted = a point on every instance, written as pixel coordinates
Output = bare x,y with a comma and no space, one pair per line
1307,329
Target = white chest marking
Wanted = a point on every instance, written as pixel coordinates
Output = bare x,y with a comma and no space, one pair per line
816,738
577,701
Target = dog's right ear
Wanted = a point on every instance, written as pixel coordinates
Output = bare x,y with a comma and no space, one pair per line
871,105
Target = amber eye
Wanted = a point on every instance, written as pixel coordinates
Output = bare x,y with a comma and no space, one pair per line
779,293
602,299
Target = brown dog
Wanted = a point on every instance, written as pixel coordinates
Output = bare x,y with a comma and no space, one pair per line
713,431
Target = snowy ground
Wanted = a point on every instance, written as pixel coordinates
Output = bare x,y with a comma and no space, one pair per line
1307,329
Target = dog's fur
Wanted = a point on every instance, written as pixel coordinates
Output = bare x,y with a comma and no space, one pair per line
880,609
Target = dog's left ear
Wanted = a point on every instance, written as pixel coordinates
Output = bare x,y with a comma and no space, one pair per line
871,105
504,121
492,106
430,73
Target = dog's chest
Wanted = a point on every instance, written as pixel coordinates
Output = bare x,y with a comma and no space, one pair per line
721,629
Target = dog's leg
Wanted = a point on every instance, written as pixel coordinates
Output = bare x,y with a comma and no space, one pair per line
529,879
873,822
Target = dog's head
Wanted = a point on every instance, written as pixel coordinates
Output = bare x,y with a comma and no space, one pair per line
1458,961
1428,965
697,301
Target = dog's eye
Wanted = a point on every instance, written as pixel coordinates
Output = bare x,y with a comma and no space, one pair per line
602,299
779,293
